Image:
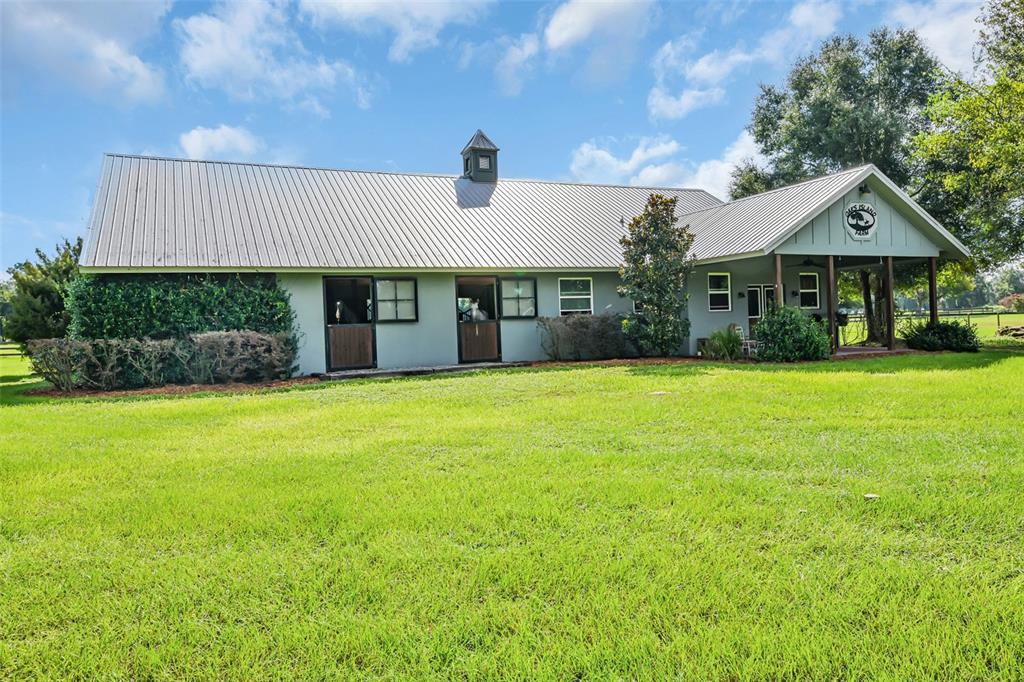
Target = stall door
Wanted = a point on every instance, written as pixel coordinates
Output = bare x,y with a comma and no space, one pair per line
349,314
476,303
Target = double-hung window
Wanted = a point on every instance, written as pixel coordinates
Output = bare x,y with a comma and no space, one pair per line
518,297
809,288
719,291
575,296
396,300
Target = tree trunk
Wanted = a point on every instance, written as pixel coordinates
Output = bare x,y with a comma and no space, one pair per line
870,321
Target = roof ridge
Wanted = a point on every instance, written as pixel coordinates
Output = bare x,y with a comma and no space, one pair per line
402,173
786,187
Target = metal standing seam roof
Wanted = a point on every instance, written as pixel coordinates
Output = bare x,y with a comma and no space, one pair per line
171,213
751,224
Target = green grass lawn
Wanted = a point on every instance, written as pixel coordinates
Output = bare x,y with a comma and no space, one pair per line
686,521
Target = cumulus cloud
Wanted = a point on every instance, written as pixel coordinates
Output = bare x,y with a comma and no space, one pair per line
221,142
655,162
612,30
593,162
416,24
248,50
807,22
516,62
88,45
661,104
948,28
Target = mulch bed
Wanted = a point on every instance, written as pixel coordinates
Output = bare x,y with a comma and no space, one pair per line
176,389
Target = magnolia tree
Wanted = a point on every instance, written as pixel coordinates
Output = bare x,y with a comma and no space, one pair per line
657,262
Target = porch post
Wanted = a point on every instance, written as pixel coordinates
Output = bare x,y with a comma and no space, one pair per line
890,308
780,295
830,290
933,291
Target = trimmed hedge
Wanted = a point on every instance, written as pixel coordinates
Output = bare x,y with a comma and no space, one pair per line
784,334
175,306
942,335
584,337
208,358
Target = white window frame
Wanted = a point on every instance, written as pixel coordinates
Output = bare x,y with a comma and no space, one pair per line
589,296
816,290
727,291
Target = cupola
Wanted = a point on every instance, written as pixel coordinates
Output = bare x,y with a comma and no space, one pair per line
480,159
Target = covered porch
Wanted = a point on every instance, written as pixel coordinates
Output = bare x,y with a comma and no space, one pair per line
885,266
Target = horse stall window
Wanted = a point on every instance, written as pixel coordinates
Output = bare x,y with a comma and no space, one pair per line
349,300
348,312
476,298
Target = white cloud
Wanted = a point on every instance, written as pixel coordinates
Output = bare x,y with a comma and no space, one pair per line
613,31
671,57
415,23
660,104
593,163
655,163
516,61
577,20
220,142
807,22
714,175
948,28
89,45
248,50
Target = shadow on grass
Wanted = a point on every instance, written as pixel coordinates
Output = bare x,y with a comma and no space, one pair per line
881,365
14,393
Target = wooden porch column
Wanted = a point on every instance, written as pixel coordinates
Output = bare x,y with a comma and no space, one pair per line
830,291
890,307
780,295
933,290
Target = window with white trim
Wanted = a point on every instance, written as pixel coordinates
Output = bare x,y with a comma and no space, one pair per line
575,296
719,291
485,162
809,290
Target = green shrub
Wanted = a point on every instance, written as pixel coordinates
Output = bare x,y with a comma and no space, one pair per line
724,344
584,337
209,358
175,306
942,335
784,334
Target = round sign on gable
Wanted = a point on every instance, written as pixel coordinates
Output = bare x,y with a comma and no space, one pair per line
860,221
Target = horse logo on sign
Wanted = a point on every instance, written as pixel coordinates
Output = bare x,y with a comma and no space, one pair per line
860,221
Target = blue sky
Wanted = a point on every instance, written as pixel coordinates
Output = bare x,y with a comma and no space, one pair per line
630,92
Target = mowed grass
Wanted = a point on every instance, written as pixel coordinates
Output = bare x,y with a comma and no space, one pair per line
644,522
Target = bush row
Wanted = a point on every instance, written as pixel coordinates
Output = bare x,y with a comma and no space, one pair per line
942,335
208,358
584,337
174,306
